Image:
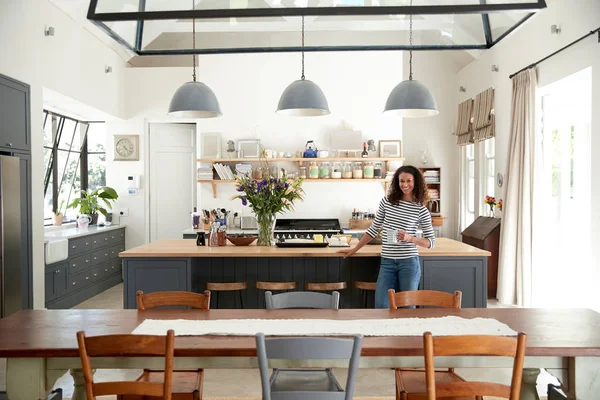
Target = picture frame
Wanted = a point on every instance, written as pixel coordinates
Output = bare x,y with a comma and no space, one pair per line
210,145
249,148
390,148
126,148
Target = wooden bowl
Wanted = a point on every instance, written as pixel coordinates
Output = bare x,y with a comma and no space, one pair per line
242,240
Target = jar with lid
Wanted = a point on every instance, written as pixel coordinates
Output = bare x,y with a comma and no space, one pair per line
336,170
302,173
313,170
368,170
258,173
377,170
347,170
324,170
357,170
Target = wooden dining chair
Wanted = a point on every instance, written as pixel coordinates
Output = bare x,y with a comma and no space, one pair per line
410,383
187,384
127,346
473,345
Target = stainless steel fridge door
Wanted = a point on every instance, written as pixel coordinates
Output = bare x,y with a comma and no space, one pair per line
10,236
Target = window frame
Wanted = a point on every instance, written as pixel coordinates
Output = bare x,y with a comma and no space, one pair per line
52,168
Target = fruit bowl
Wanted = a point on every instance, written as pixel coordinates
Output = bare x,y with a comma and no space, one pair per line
242,240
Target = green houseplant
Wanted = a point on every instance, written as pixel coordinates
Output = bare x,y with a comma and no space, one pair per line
92,202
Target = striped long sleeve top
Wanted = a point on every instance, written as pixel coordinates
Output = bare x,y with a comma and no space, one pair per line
406,215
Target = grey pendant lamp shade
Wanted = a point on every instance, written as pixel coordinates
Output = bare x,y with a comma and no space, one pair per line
194,99
411,98
303,98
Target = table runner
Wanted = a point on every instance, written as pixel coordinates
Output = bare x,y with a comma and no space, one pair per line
442,326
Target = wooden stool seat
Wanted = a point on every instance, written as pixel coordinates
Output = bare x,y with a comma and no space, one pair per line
412,381
326,286
275,285
187,384
365,286
226,286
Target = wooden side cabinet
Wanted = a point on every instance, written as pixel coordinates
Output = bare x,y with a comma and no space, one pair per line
484,233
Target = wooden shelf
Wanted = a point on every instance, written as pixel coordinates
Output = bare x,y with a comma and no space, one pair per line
214,182
296,159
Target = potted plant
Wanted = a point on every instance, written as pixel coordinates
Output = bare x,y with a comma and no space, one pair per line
92,202
57,216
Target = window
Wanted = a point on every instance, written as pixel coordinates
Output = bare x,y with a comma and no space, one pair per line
470,185
489,163
74,160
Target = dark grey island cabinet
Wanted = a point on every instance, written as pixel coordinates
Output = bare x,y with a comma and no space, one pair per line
170,266
92,267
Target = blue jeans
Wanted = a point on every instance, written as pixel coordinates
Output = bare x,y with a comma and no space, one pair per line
398,274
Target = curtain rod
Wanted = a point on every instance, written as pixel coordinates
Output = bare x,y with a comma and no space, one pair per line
558,51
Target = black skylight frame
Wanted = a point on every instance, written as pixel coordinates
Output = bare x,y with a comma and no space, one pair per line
140,16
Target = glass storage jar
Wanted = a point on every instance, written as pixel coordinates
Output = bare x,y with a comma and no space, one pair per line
347,172
258,173
368,170
302,173
313,170
357,170
324,170
336,170
378,170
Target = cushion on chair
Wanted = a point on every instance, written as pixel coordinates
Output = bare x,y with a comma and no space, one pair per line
187,384
413,383
285,380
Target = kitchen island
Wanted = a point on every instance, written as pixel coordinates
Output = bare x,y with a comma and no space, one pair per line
178,264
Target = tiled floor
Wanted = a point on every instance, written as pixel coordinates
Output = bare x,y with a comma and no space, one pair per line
243,383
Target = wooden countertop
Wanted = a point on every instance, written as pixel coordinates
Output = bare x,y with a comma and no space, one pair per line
187,248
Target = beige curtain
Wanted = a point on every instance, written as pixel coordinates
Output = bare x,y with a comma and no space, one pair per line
485,123
515,258
464,127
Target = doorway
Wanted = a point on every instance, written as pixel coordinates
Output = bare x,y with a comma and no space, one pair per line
172,179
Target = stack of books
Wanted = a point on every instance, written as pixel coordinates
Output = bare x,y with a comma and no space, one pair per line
224,171
434,194
432,176
205,172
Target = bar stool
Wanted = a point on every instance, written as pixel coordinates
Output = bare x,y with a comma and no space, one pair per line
281,287
364,287
326,286
227,287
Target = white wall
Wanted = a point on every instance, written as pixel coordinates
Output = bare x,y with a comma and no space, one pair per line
249,86
71,63
528,44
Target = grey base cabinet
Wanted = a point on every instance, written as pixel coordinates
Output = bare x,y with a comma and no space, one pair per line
447,274
92,267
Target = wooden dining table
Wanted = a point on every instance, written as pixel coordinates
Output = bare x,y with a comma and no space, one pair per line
40,345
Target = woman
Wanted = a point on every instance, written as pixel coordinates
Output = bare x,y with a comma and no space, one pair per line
399,214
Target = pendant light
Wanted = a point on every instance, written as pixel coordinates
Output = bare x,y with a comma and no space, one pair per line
411,98
194,99
303,98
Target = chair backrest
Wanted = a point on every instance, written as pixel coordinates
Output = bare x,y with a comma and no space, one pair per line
160,299
307,348
424,298
127,345
474,345
302,300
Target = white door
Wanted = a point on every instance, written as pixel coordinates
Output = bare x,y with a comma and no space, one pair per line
172,183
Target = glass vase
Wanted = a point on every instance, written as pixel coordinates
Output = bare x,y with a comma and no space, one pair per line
265,229
492,213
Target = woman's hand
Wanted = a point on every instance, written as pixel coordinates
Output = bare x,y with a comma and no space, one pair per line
348,252
405,237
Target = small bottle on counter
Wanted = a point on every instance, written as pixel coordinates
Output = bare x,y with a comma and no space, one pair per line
195,219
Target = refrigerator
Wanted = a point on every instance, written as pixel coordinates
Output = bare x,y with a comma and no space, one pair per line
11,236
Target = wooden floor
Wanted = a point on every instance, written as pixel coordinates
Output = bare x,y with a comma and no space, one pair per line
374,384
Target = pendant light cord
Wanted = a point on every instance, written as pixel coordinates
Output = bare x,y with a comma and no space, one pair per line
302,77
194,39
410,40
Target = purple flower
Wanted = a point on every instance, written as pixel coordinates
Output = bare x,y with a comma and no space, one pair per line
244,201
240,189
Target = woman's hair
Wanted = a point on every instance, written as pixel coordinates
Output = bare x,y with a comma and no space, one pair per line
420,187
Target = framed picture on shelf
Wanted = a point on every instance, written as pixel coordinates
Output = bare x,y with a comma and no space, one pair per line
390,148
210,145
249,148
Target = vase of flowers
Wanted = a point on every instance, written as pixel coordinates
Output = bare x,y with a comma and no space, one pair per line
490,201
267,197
